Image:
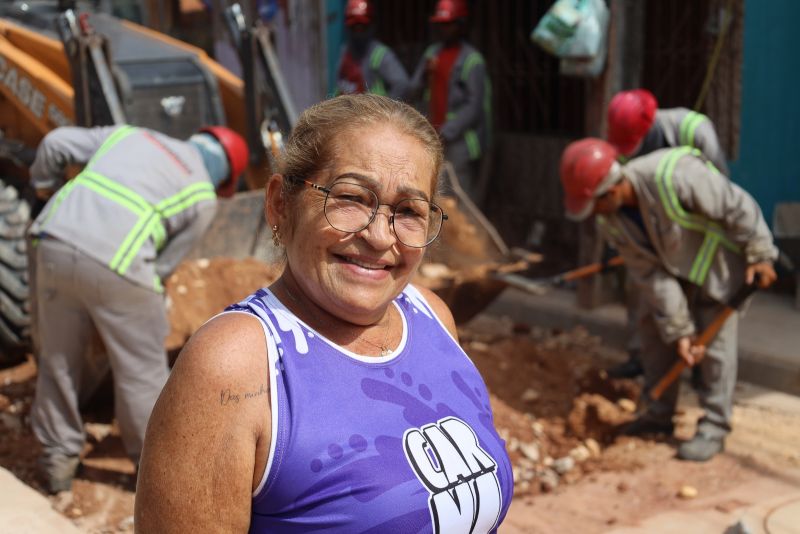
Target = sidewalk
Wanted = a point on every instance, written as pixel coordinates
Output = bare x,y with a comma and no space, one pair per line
769,333
24,511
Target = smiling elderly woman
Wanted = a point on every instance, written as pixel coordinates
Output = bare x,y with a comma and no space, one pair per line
338,398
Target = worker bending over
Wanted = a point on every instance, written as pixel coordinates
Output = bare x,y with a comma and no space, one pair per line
690,239
637,127
105,241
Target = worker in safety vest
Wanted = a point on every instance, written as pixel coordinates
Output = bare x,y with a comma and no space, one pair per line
104,241
690,238
367,65
452,83
637,127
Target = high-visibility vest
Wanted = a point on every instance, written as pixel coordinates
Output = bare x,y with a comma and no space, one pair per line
150,217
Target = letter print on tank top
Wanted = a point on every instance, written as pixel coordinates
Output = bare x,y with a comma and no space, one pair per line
465,494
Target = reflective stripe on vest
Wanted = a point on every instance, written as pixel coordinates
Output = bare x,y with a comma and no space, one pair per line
470,136
149,223
688,126
375,59
714,235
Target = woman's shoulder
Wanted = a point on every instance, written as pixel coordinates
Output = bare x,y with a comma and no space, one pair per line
437,306
230,346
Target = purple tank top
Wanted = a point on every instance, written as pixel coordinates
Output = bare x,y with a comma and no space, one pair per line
401,443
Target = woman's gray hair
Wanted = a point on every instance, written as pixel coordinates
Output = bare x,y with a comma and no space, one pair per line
310,146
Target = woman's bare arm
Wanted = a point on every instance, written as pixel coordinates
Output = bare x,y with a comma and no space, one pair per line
208,437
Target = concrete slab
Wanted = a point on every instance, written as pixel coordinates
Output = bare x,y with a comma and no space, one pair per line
769,332
24,511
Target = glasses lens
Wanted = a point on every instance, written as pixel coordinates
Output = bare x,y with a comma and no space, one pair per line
417,222
349,207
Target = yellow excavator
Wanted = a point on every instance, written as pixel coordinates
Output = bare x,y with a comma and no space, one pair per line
65,63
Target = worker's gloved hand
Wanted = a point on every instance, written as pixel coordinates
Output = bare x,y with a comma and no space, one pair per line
689,352
765,271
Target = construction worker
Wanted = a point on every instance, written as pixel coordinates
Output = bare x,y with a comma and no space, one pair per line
690,238
452,81
367,65
104,242
637,127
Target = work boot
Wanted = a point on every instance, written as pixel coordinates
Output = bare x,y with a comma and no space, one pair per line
647,425
700,448
631,368
57,471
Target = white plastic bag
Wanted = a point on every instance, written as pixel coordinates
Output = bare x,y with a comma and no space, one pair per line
573,28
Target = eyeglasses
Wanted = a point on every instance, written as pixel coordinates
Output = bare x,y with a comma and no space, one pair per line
351,207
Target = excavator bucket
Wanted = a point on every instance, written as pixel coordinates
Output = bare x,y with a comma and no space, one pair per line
460,265
239,230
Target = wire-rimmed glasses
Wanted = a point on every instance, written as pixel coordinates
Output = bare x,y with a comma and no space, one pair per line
351,207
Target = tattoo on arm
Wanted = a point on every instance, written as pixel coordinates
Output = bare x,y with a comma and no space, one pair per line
226,396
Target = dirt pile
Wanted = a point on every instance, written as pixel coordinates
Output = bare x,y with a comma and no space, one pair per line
553,407
200,289
548,397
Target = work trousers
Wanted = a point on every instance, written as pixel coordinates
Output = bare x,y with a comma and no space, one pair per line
76,295
717,369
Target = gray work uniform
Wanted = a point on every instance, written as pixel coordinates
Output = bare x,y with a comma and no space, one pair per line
698,233
105,240
467,129
382,71
674,127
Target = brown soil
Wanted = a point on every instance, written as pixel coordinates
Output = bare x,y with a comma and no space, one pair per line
559,413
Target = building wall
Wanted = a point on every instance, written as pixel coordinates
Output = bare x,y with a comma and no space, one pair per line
768,164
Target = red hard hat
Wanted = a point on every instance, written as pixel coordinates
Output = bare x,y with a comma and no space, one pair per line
238,154
450,10
585,167
357,12
630,116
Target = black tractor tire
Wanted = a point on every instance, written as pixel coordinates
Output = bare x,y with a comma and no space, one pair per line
15,317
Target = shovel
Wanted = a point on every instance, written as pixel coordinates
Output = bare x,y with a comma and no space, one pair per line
538,286
705,338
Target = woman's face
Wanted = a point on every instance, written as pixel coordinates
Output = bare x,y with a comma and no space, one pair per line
355,276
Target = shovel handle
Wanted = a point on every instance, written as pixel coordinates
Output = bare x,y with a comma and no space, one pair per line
590,269
705,338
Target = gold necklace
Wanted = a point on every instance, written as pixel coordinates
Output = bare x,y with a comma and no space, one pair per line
383,347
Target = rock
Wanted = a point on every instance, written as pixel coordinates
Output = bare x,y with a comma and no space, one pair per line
627,405
548,480
593,446
580,454
126,524
516,472
182,289
529,395
687,492
738,528
435,270
564,465
512,444
530,451
538,429
4,402
479,345
203,263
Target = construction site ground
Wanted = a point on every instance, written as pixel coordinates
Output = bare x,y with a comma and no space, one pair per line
542,359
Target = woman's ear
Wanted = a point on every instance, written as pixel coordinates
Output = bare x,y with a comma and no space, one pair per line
274,200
